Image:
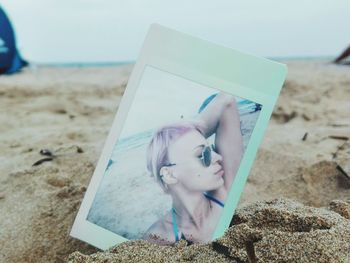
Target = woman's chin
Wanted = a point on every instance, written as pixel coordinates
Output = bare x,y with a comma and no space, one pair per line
218,183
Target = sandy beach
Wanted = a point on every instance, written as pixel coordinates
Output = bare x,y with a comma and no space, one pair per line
305,157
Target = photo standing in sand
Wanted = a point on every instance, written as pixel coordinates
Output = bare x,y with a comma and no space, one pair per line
168,176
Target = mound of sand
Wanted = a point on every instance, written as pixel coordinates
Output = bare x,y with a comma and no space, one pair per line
276,231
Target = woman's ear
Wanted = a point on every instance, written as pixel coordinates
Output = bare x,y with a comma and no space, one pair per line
167,175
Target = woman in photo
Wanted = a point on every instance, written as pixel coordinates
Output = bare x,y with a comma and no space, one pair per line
196,175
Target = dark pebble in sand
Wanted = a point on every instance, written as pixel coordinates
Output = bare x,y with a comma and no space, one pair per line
45,152
48,159
60,111
79,150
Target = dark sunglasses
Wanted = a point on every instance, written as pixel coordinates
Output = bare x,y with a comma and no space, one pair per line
205,157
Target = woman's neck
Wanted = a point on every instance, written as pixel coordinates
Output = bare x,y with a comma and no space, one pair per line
190,208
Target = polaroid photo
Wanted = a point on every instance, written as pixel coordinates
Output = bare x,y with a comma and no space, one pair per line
181,145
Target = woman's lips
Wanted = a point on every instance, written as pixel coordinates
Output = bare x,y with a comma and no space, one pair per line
220,172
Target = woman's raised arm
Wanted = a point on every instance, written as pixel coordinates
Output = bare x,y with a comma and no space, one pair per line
221,117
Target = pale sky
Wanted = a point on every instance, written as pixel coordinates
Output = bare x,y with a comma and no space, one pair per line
64,31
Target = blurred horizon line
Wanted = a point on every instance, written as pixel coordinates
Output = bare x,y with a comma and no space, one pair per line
130,62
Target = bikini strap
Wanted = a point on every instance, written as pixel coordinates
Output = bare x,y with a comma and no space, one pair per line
214,200
175,228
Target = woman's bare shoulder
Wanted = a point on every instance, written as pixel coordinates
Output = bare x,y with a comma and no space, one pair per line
160,232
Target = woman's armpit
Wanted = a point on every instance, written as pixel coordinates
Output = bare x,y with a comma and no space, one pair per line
200,125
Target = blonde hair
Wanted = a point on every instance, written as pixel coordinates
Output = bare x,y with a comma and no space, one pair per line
163,137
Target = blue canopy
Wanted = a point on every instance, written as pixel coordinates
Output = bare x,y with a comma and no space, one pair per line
10,60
